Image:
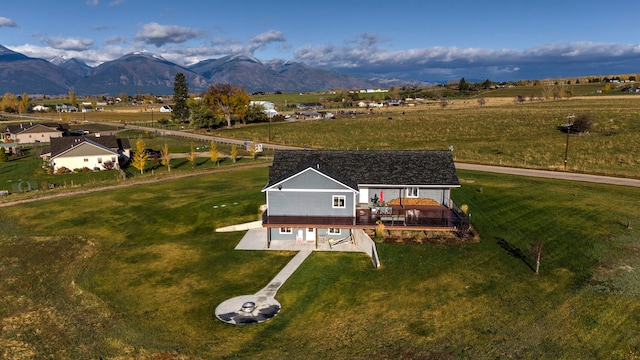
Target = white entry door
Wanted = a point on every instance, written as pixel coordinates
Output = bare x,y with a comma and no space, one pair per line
311,234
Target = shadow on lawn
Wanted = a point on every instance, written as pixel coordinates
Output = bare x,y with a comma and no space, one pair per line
514,251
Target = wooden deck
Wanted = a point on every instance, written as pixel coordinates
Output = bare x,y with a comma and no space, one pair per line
415,217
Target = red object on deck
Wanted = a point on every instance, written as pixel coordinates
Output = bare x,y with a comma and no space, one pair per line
381,196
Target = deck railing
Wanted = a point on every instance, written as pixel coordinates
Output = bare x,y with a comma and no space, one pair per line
444,218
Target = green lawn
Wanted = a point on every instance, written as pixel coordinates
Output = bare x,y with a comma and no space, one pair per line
138,272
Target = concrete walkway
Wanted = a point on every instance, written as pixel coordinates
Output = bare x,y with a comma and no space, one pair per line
261,306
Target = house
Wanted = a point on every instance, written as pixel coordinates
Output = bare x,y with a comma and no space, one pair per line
90,152
321,194
309,106
32,133
308,115
40,108
66,108
165,109
268,107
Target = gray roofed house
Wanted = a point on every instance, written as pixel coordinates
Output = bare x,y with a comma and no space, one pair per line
33,132
92,152
315,193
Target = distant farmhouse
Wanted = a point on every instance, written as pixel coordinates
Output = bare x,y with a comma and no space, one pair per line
34,133
268,107
66,108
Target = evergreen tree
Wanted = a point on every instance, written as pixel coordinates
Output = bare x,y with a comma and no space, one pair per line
463,85
180,96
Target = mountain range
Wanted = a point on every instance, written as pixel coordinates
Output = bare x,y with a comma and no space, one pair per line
143,72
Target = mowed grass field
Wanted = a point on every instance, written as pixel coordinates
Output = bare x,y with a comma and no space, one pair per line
499,133
138,272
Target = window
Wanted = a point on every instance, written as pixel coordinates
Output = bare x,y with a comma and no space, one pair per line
86,159
339,201
412,192
334,231
99,160
286,230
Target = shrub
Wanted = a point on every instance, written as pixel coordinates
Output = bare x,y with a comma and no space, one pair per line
379,231
63,170
108,165
581,124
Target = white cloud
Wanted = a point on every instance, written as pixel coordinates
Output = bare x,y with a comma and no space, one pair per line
115,40
366,58
6,22
93,2
158,35
116,2
268,37
260,41
74,44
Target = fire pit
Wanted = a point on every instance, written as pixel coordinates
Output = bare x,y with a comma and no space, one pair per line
248,307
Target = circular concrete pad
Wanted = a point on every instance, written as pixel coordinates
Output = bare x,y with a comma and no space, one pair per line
230,311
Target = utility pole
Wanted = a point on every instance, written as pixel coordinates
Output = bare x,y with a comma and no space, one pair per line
566,148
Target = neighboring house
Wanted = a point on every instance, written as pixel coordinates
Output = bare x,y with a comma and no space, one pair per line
310,106
40,108
33,133
87,108
88,151
309,115
315,194
268,107
66,108
166,109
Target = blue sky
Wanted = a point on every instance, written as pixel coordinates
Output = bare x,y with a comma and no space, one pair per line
413,40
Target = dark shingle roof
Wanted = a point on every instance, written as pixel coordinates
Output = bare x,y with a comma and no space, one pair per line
62,144
383,167
16,129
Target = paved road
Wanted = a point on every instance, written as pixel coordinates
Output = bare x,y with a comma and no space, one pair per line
551,174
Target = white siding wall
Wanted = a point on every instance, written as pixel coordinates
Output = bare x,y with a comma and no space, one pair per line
35,137
78,162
